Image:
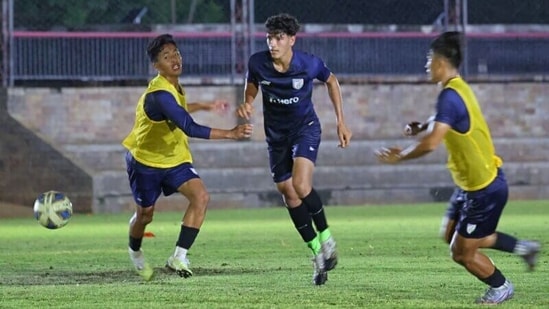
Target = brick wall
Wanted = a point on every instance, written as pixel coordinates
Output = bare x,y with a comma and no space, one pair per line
105,115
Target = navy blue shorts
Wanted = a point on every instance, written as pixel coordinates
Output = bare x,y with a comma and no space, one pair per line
304,144
477,213
148,182
455,204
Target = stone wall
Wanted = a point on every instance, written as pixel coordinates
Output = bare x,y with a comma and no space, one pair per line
87,125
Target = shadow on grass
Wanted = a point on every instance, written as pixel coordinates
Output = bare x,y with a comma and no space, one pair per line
51,277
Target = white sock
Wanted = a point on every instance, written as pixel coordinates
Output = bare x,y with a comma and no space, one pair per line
134,253
521,248
180,252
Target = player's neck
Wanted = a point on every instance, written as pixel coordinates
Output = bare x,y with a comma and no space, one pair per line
174,80
282,64
449,76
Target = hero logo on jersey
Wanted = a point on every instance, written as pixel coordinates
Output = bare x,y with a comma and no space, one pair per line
297,83
284,101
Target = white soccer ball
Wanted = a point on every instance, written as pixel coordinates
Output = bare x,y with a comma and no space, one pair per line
53,209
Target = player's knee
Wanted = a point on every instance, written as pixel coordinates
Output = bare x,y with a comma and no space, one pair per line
463,260
456,257
201,199
461,257
291,202
288,194
302,188
145,218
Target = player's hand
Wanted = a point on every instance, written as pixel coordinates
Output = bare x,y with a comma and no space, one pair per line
389,155
413,128
220,107
344,135
245,110
242,131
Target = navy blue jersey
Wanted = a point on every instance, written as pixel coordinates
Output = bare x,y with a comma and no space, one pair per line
451,110
287,105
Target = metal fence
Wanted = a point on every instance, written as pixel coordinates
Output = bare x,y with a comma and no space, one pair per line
121,56
114,53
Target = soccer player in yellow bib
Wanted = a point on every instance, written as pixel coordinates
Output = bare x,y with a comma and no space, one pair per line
159,159
482,193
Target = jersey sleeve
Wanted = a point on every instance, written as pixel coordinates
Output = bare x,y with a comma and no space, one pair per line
251,76
450,108
322,72
161,105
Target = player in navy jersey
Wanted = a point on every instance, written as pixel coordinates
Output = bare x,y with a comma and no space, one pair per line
159,159
476,206
293,130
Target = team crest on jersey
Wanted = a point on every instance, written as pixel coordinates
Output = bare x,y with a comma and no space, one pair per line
471,228
297,83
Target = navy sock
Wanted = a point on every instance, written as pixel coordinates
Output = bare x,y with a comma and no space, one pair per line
495,280
302,222
135,243
316,209
505,242
187,235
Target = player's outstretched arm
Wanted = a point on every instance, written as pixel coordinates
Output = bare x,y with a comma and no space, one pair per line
166,108
242,131
415,127
427,144
217,106
246,109
334,91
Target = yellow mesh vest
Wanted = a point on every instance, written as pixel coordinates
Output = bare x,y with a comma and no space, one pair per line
158,144
471,155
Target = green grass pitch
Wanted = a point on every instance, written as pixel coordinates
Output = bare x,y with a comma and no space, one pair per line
390,257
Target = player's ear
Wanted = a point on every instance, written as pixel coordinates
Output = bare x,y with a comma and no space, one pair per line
292,40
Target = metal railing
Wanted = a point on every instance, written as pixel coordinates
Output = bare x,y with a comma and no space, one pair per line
102,56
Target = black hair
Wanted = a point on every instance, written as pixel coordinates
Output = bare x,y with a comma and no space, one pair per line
448,45
155,46
282,23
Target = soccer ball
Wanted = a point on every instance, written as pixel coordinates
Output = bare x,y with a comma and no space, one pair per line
52,209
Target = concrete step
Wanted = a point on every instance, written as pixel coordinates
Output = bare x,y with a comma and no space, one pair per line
105,157
330,197
253,180
232,180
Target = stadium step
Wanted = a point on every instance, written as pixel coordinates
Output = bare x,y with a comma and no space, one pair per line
378,177
330,197
104,157
237,174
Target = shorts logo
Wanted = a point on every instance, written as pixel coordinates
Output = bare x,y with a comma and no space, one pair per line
471,228
193,171
297,83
